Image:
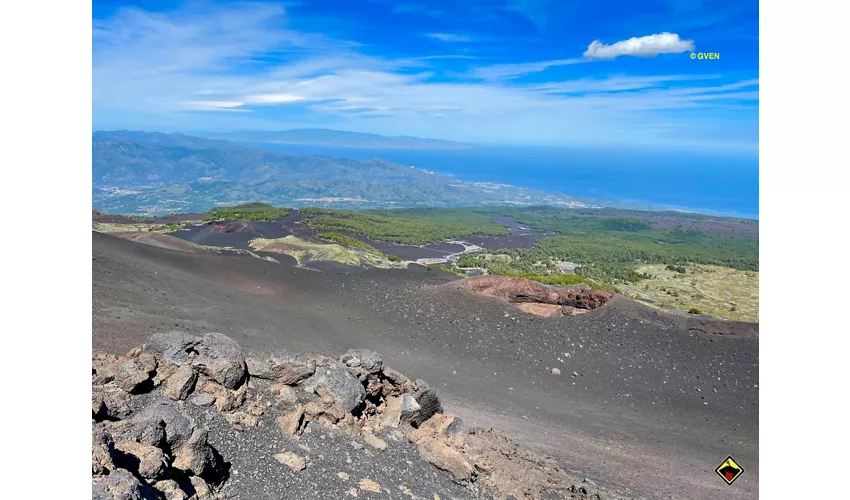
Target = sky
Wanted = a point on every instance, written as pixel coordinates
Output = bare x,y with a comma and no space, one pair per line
613,74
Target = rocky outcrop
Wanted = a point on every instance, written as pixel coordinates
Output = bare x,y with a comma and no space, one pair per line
334,381
180,383
146,443
282,368
537,298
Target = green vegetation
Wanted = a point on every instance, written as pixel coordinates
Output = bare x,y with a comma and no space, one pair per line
248,211
612,256
348,241
169,227
694,310
306,251
627,225
564,280
405,226
721,292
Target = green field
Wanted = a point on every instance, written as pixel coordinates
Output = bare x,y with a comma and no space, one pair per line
248,211
306,251
718,291
410,227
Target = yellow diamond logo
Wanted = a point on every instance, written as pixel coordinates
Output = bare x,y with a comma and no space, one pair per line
729,470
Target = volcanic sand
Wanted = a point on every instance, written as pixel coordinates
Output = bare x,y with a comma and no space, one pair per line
643,405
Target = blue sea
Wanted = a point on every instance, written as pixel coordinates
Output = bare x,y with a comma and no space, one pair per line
707,183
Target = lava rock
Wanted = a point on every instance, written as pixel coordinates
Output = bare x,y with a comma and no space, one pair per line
333,379
180,384
221,358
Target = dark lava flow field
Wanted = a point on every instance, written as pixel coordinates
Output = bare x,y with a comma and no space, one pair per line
641,405
238,234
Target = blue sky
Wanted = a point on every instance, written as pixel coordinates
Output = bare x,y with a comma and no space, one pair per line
524,72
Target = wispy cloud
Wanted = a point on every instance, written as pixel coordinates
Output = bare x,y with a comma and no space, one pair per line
450,37
249,58
536,11
645,46
500,71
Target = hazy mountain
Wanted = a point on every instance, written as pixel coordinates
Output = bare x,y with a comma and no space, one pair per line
338,138
161,140
148,172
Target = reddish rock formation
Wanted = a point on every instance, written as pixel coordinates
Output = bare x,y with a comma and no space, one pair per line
571,300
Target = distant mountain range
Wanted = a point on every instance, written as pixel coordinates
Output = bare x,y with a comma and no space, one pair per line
338,138
155,173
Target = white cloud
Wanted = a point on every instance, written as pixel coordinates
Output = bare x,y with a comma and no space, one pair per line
274,98
449,37
645,46
213,105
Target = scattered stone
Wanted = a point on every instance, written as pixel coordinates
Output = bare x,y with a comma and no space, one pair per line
397,379
164,447
284,394
148,362
196,456
170,489
202,399
120,484
374,441
144,430
179,426
295,462
133,377
102,450
108,402
240,420
556,371
391,415
149,462
202,489
442,425
174,347
333,379
179,385
326,411
445,457
104,368
428,401
367,484
291,423
419,406
283,368
255,408
163,371
362,362
220,358
225,399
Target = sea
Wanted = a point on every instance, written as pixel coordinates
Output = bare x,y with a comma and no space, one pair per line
707,183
